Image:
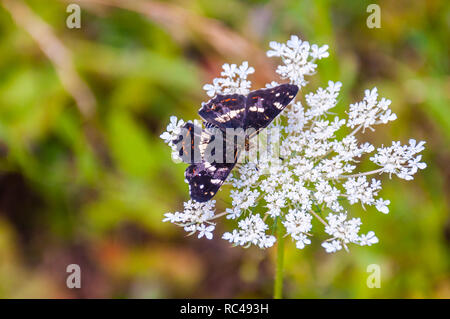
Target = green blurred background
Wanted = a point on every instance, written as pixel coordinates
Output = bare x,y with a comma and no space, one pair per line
85,179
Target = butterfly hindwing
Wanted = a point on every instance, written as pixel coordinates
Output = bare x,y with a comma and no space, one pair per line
224,111
205,179
264,105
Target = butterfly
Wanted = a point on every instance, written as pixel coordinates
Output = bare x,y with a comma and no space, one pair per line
212,152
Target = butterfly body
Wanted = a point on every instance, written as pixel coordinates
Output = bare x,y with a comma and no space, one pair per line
229,120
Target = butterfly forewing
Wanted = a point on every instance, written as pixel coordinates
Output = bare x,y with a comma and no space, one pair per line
263,106
224,111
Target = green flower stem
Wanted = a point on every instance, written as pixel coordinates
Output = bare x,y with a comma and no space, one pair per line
279,270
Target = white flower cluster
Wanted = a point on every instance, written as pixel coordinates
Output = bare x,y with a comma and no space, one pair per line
252,230
234,80
298,224
298,59
345,231
310,173
196,217
399,159
172,132
369,111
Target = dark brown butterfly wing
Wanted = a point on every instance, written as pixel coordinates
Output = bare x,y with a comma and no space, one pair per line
264,105
224,111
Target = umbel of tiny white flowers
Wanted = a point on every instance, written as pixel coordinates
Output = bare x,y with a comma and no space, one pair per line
316,176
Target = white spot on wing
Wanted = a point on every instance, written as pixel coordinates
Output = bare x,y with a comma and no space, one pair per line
278,105
256,109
